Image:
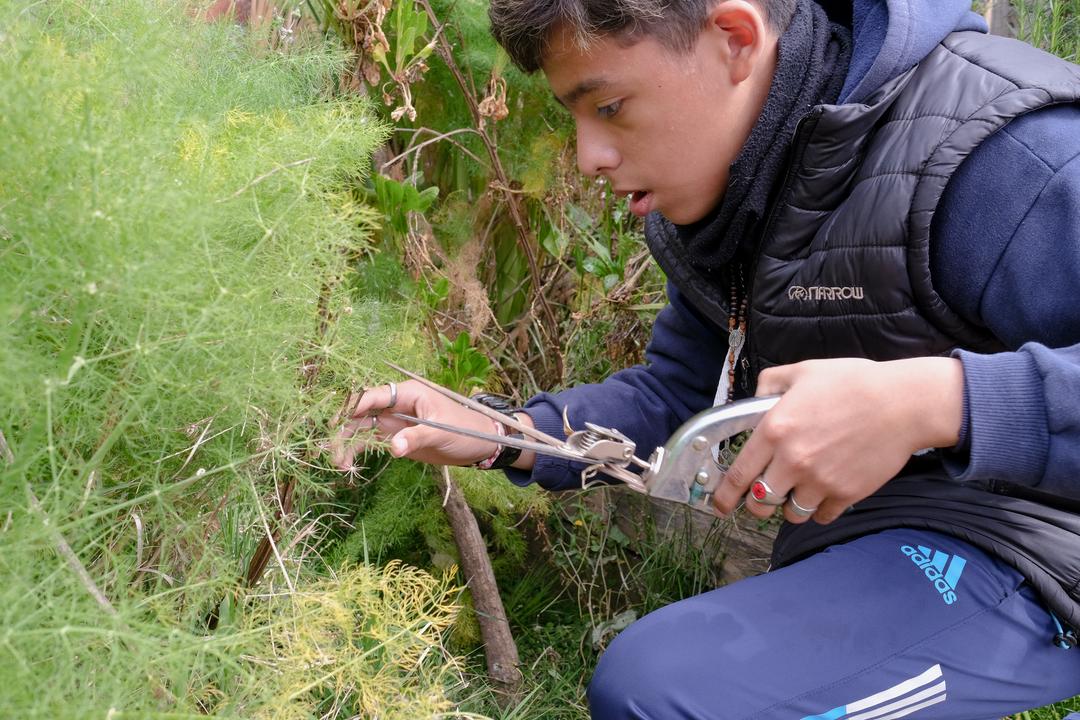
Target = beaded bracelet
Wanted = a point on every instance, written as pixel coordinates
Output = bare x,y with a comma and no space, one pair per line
489,462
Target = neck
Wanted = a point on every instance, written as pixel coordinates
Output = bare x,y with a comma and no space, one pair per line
755,91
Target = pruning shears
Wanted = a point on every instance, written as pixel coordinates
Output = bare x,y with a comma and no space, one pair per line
683,470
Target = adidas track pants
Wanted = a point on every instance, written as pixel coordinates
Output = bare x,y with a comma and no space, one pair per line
902,623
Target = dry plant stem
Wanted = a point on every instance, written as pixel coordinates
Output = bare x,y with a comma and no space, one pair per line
499,647
429,141
270,536
266,548
513,202
5,450
72,559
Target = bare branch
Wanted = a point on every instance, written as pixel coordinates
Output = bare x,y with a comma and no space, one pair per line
513,202
437,138
5,450
499,647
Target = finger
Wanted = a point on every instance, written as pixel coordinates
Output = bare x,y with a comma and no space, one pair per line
345,411
803,503
371,400
830,510
345,444
361,433
763,511
340,454
776,380
775,494
406,396
748,466
419,442
344,455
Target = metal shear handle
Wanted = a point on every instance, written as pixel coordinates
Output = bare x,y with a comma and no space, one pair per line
684,469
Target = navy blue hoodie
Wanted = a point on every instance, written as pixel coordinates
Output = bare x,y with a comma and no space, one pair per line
1005,254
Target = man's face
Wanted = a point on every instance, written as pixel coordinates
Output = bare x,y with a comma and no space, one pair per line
662,126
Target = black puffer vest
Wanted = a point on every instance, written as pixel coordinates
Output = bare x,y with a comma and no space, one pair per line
843,270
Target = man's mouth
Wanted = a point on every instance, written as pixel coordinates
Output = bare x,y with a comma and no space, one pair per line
640,202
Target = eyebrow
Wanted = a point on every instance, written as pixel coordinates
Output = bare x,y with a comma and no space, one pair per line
581,89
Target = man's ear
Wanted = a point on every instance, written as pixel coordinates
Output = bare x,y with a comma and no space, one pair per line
739,33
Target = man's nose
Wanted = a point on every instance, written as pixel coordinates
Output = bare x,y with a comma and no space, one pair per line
596,154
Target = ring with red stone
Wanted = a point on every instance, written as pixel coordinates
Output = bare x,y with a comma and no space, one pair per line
765,495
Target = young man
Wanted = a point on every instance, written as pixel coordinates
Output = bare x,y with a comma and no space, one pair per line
882,204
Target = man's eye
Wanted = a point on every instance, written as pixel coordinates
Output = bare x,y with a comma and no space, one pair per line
608,111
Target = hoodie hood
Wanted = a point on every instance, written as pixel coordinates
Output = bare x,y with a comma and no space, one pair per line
891,36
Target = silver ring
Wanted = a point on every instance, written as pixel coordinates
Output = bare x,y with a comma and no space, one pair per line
393,395
798,509
374,421
765,495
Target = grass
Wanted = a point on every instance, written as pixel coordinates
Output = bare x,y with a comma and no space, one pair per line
1053,25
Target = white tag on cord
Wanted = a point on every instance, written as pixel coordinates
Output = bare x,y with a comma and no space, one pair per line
736,340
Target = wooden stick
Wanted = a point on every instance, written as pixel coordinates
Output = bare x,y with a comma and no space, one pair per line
499,647
5,450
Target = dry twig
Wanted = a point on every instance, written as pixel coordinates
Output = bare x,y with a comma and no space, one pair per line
499,647
513,202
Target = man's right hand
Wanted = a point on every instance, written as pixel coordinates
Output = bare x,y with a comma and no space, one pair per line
368,418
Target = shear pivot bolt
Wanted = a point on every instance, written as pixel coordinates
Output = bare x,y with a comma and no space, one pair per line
702,477
701,442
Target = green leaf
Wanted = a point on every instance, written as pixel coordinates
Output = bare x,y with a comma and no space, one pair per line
405,47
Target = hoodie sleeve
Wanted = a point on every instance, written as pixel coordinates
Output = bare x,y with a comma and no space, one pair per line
646,402
1006,255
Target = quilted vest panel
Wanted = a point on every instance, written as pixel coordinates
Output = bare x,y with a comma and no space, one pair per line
844,271
843,267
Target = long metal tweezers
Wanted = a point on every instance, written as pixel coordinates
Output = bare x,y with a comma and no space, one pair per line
540,441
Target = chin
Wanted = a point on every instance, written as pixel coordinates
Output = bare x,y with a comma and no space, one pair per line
690,214
683,217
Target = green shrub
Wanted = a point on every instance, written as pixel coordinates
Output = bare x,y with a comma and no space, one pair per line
177,227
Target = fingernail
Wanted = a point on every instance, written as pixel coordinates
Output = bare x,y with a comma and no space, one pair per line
398,447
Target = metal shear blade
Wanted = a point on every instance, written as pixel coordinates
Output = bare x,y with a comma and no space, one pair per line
500,439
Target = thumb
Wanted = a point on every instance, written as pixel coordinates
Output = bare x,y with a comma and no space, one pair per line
432,445
409,440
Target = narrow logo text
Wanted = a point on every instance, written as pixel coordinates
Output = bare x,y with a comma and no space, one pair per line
800,293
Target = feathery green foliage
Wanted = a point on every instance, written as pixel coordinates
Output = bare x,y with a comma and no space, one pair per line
177,224
369,641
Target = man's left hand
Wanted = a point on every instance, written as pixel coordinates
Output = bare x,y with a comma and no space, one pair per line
842,429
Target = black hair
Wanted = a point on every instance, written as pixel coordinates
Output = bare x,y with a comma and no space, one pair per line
523,27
